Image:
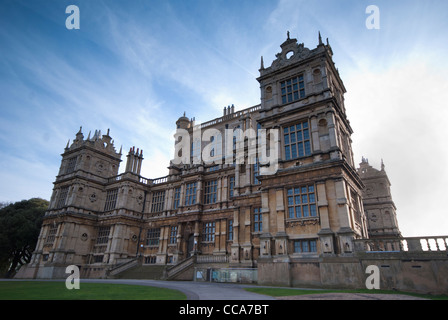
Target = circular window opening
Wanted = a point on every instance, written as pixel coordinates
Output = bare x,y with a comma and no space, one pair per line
289,54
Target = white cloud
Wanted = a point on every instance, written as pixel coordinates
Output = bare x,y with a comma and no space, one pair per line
398,115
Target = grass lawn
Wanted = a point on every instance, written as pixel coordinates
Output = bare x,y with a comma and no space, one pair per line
56,290
282,292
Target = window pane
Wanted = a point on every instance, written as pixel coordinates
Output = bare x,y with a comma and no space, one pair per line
291,212
296,95
298,212
290,201
293,151
293,137
305,199
305,246
313,246
313,211
312,198
305,211
290,192
307,148
300,146
286,138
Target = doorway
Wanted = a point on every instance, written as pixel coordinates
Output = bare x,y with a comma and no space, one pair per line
190,245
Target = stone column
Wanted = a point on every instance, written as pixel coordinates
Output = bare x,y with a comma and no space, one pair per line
331,122
315,134
235,247
325,234
345,232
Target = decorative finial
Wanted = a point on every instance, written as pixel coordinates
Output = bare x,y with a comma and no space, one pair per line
287,34
108,130
382,165
320,39
184,113
262,63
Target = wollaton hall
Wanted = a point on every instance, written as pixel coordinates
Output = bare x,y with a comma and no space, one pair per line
220,215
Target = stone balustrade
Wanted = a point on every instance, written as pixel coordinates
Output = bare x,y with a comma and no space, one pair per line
406,244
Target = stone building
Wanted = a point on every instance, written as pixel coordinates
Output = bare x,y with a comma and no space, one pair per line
225,213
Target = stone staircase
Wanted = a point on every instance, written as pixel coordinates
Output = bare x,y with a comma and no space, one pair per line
134,269
182,270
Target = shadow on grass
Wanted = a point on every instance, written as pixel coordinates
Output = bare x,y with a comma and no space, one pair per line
56,290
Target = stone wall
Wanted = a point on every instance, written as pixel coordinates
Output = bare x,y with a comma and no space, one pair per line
409,268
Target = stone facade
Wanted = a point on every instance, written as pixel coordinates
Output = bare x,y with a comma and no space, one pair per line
313,205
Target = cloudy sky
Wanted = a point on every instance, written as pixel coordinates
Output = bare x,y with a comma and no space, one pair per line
136,66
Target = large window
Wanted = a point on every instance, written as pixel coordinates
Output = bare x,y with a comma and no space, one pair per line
230,230
231,185
158,200
190,193
173,235
297,140
103,235
51,234
293,89
302,202
256,171
176,198
62,197
111,199
304,246
208,234
152,237
258,220
210,192
71,165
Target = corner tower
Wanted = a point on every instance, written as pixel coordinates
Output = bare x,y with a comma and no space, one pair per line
314,199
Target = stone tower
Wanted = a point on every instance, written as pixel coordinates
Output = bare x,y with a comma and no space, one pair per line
70,225
378,204
302,95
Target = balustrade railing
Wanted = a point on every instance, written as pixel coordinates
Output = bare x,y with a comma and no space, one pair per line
407,244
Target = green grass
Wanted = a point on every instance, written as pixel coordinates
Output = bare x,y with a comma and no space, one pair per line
282,292
56,290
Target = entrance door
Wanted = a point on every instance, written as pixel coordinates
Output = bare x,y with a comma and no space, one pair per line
190,245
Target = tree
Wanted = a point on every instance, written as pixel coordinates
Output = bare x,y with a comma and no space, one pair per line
20,225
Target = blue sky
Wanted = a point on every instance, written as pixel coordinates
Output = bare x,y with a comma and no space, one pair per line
136,66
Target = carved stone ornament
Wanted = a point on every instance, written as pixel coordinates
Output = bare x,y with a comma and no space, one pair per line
93,197
100,166
84,237
302,222
140,199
